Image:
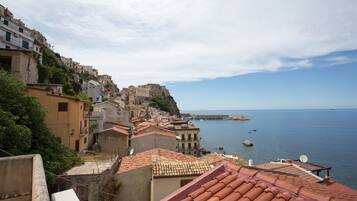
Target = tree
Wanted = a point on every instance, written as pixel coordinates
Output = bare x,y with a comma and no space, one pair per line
22,127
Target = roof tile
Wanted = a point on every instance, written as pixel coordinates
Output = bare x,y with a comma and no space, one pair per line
246,183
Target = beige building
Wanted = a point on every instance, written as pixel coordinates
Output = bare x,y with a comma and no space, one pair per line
20,63
66,117
135,173
190,138
23,178
114,141
154,139
170,176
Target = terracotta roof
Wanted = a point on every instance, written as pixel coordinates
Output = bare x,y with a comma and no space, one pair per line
217,159
308,166
160,133
116,129
149,157
291,169
158,128
232,182
169,169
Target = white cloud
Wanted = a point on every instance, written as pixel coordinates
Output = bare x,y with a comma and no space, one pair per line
139,41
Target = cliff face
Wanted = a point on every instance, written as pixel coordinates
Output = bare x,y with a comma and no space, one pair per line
162,97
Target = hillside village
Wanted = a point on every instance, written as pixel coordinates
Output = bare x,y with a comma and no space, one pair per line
132,143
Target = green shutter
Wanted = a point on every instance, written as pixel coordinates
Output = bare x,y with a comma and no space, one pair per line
25,44
8,36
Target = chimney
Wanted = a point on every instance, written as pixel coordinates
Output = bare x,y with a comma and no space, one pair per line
250,163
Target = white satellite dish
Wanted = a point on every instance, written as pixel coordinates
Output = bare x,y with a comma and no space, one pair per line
131,152
303,158
178,138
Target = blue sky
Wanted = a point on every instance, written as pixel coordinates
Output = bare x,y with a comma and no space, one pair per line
325,84
232,54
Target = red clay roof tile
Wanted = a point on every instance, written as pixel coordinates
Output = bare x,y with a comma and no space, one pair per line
255,184
148,158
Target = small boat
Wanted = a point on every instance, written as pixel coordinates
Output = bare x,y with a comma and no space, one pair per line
247,143
221,148
255,130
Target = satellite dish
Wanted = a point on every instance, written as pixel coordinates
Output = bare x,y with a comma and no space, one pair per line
131,152
303,158
178,138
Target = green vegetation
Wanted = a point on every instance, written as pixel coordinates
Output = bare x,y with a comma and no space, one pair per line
54,71
161,103
22,128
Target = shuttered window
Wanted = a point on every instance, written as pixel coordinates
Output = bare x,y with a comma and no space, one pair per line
8,36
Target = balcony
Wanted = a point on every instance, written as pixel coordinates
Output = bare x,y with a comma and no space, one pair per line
84,131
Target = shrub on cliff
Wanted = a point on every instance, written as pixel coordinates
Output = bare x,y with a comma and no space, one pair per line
22,128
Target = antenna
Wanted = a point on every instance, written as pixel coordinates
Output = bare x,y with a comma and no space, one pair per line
303,158
131,152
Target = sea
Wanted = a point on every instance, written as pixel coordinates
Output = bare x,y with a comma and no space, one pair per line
327,136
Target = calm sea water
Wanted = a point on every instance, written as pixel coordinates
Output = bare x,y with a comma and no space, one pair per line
327,137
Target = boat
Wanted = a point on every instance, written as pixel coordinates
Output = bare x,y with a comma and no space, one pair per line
221,148
247,143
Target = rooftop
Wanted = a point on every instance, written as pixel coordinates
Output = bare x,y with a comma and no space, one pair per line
169,169
91,167
115,129
149,157
233,182
291,169
158,133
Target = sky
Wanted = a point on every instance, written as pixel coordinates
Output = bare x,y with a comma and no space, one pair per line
243,53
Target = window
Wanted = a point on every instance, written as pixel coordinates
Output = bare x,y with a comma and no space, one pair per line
21,30
189,145
189,136
6,22
85,123
8,36
185,181
183,137
7,47
85,140
25,44
195,136
195,145
62,107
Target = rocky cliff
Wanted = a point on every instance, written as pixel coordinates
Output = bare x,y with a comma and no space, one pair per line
162,98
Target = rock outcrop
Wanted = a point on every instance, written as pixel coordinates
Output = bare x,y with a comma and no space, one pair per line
163,99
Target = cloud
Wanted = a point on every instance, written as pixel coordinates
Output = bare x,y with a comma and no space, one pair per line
140,41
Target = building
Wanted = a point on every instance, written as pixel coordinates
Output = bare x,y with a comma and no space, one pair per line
190,138
104,79
233,182
69,62
88,70
154,139
53,88
67,117
23,178
114,141
89,180
20,63
14,34
135,173
94,90
111,112
170,176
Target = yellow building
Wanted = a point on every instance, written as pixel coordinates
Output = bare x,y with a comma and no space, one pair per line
66,117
